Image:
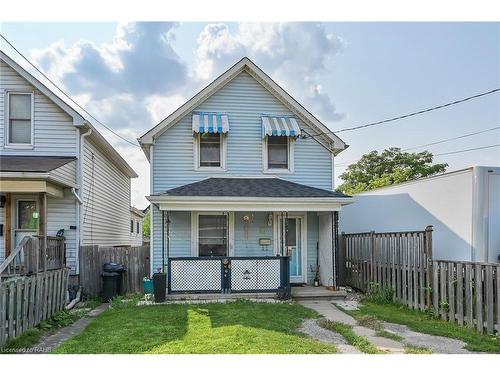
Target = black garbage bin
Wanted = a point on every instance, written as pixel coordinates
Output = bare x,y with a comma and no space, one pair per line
112,280
160,286
110,285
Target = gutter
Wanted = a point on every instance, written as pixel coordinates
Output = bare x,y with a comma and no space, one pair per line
79,196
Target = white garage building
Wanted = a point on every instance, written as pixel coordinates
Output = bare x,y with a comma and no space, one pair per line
463,206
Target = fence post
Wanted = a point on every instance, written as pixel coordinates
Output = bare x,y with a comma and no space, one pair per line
429,275
341,261
372,257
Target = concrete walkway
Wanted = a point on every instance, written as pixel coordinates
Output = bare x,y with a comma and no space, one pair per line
51,342
311,328
331,312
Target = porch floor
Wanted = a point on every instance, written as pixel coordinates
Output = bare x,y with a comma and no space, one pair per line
306,292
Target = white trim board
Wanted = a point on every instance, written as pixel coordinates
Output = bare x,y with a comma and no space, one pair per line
175,203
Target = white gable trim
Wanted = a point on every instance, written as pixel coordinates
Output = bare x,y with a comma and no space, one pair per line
248,66
78,120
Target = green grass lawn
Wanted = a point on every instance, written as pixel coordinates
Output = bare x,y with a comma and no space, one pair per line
426,323
239,327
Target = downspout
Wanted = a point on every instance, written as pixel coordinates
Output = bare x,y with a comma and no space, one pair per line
163,241
79,198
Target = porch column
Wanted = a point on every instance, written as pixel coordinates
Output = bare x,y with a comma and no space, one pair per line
42,226
8,224
325,248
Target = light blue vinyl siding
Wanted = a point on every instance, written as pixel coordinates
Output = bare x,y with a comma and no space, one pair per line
256,230
244,100
180,236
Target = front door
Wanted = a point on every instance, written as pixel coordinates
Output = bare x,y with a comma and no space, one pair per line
25,219
293,243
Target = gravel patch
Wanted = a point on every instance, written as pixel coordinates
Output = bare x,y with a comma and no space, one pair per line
311,328
437,344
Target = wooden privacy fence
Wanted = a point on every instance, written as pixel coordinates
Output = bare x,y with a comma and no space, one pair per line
462,292
26,301
399,260
92,258
467,293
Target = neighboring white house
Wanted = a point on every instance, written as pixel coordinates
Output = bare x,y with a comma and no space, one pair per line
136,217
57,172
463,206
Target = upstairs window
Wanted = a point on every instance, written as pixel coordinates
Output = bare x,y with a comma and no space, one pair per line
138,225
277,152
131,226
210,149
20,119
210,137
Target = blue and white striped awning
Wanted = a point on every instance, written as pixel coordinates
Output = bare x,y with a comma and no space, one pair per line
280,125
210,122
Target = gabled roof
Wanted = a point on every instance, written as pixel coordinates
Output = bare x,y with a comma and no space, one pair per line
256,187
78,120
245,64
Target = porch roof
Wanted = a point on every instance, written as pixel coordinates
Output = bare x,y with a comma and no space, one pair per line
249,193
249,187
35,164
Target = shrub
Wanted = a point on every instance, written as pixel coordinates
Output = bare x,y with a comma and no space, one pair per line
379,295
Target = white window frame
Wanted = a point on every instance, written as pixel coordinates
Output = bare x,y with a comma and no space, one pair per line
7,119
223,154
195,233
291,167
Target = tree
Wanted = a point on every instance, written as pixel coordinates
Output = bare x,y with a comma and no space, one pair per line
391,166
146,225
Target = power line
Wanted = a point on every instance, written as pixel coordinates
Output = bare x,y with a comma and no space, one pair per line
434,143
467,150
67,95
410,114
452,139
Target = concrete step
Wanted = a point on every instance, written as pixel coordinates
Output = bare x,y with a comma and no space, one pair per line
317,293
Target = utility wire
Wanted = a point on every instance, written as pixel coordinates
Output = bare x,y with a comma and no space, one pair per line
435,143
67,95
410,114
451,139
467,150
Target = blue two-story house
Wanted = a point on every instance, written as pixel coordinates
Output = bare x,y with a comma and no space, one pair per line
241,175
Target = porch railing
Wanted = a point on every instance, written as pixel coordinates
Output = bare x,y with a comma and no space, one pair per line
229,275
31,256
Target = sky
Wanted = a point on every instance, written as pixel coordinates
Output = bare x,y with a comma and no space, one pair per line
132,75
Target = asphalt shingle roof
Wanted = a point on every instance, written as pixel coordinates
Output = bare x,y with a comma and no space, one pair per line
32,163
250,187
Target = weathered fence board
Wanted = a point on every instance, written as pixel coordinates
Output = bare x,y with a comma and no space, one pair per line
467,293
24,301
92,258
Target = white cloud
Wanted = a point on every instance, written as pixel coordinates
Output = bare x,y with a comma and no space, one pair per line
296,55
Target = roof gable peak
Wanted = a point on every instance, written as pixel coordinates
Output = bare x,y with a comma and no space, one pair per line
245,64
